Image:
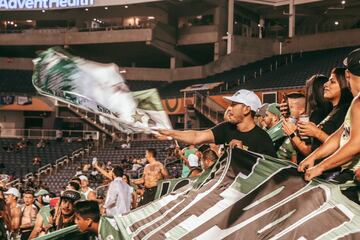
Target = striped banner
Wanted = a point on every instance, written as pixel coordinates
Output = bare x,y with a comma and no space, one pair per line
246,196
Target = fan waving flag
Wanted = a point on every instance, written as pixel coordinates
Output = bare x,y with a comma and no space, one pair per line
98,88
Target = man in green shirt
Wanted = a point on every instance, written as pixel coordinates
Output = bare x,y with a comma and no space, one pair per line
87,218
184,154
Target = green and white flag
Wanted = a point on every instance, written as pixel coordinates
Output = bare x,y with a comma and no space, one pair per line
98,88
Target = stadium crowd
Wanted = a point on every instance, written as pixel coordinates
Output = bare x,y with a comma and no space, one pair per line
316,130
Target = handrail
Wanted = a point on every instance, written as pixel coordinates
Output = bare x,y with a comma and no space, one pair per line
28,175
61,159
50,134
213,115
44,167
210,100
13,182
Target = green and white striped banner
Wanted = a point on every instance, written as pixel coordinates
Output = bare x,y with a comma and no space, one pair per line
247,196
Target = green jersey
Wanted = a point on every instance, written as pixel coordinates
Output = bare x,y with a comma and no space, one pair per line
186,170
45,214
108,229
286,150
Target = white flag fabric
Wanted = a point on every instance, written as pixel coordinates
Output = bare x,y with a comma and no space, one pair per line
98,88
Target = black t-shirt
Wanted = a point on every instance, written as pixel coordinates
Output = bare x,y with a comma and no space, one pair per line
331,123
256,140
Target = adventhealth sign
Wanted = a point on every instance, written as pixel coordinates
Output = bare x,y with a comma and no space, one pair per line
43,4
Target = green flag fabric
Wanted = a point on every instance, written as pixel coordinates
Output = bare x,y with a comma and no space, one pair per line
246,196
98,88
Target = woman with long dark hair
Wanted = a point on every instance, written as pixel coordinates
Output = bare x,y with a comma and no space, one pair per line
336,92
317,107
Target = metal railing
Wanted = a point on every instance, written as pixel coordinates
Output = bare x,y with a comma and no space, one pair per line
204,105
48,167
49,134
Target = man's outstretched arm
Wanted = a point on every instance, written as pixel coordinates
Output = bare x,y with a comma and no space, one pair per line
188,137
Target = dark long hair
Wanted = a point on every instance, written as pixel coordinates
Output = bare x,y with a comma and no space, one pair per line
346,96
314,89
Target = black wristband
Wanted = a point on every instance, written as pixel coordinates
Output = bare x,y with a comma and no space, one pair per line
292,135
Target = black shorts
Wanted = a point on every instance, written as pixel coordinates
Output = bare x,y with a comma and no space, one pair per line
149,195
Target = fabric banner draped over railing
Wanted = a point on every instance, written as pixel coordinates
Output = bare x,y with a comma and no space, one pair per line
246,196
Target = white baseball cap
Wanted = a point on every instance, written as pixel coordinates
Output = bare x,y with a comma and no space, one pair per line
249,98
193,160
83,178
13,191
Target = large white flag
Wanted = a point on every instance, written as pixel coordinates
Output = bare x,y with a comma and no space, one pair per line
98,88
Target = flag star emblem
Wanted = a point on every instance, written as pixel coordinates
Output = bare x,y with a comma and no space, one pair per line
137,117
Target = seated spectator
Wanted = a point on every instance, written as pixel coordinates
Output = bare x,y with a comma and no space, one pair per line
78,172
36,161
88,219
41,144
86,168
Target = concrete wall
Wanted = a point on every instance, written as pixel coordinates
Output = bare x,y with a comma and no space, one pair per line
16,63
71,38
253,46
246,50
198,35
15,117
322,41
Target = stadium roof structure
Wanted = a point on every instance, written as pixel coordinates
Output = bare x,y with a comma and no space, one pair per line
279,2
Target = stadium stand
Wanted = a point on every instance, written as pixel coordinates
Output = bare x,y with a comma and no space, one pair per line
116,155
20,161
297,72
16,81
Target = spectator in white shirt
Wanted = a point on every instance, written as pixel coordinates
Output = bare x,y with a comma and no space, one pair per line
118,199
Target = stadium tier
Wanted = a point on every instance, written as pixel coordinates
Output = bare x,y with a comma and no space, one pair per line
19,161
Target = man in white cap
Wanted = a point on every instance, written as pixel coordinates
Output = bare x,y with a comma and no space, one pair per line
11,197
193,161
85,189
239,130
